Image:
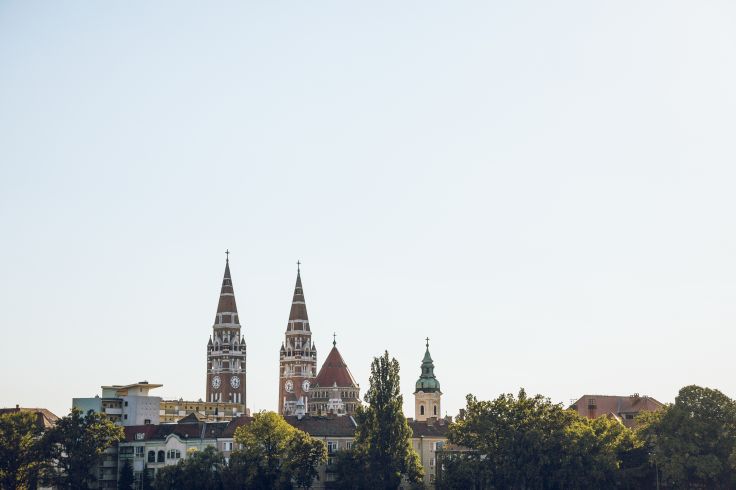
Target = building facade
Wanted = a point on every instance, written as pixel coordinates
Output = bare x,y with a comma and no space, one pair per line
174,410
297,356
226,350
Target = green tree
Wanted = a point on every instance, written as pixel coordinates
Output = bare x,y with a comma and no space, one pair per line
200,470
276,452
146,482
383,437
693,441
75,445
126,479
529,442
21,455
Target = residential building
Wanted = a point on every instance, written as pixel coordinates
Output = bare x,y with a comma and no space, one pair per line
297,356
126,405
623,408
174,410
429,436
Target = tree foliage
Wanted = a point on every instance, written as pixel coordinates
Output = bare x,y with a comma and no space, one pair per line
383,437
693,441
200,470
21,454
75,445
274,453
126,479
528,442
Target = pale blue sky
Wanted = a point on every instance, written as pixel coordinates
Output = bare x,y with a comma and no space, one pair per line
545,189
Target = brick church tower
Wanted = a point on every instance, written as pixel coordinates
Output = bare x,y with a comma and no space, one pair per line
298,356
226,350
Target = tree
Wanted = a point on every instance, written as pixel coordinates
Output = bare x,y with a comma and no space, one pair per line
693,441
276,452
201,470
383,437
529,442
146,483
21,455
126,479
75,445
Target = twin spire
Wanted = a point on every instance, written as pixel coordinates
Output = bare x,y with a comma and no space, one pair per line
298,318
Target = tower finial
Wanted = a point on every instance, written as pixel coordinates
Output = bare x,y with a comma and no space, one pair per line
427,339
227,255
298,266
334,342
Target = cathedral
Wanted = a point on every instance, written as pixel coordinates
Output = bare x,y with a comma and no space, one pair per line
301,389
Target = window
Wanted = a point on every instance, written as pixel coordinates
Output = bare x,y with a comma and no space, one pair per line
421,409
629,416
349,445
126,450
435,410
173,454
147,422
126,403
331,447
160,458
125,416
151,456
139,451
139,436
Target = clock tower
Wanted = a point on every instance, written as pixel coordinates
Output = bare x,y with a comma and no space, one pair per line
226,349
298,356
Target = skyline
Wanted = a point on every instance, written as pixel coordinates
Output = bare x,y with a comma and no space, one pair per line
545,191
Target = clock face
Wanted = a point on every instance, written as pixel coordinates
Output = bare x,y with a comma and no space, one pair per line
305,385
216,382
289,385
234,381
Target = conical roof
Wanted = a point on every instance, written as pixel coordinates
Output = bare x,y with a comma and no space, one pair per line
226,303
298,319
335,371
427,381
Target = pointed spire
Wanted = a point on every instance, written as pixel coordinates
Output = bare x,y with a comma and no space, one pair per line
298,319
226,304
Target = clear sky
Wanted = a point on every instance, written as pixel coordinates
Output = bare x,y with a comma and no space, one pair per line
545,189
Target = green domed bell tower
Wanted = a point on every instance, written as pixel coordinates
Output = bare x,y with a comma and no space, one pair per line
427,394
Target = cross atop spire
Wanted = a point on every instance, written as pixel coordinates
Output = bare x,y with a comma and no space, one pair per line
298,266
227,255
427,339
334,342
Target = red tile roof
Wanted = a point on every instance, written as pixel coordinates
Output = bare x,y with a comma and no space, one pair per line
335,371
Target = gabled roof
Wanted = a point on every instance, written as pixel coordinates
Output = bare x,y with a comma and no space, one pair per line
44,417
335,371
319,426
619,404
429,428
198,430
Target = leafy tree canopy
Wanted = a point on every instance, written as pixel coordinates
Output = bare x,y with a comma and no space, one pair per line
75,445
21,455
693,441
383,437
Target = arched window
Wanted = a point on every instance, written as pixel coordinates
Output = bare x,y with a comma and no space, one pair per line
421,409
435,409
151,456
161,456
